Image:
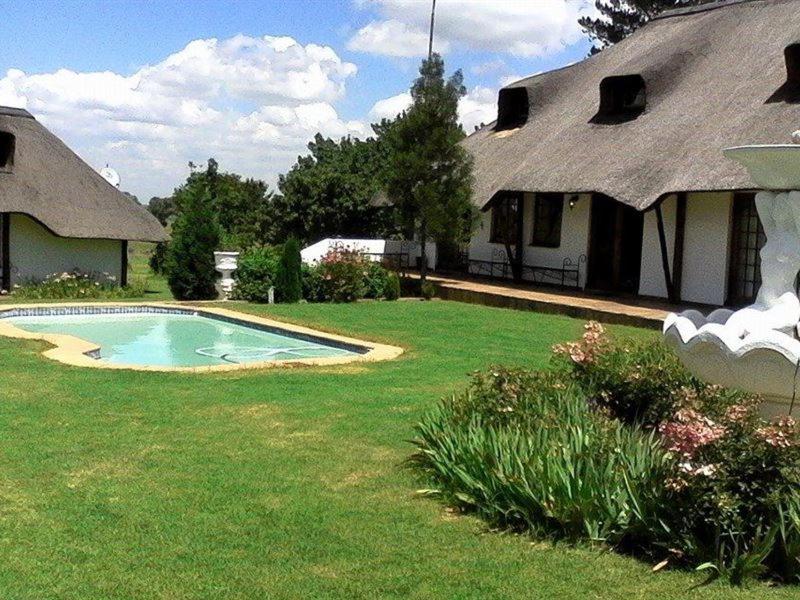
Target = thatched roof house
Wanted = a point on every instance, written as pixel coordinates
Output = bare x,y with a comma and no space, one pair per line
642,125
57,212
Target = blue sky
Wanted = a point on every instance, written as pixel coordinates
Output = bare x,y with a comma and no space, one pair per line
144,86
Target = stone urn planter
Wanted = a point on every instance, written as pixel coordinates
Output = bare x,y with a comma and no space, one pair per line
226,263
756,349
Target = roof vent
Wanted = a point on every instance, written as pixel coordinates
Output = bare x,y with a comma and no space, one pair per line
7,143
790,91
512,108
622,98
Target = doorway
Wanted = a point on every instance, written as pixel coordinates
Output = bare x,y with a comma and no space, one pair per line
615,246
747,239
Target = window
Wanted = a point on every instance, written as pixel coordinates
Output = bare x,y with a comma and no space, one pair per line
622,98
790,91
747,238
547,212
6,152
512,108
505,220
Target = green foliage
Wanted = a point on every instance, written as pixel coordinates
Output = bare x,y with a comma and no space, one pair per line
78,285
428,176
343,272
158,258
392,289
195,237
376,280
163,209
312,282
619,18
329,192
647,458
289,284
641,383
256,274
427,290
527,453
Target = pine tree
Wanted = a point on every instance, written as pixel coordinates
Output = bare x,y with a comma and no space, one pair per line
195,237
428,176
620,18
289,284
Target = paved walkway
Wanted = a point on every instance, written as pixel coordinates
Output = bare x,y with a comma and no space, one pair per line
627,311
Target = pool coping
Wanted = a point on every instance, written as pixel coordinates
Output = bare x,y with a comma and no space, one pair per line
74,351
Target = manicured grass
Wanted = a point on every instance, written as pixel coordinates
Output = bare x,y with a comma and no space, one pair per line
279,484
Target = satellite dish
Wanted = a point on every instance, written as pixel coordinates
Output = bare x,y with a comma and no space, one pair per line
110,175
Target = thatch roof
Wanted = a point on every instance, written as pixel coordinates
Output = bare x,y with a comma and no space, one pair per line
53,185
709,73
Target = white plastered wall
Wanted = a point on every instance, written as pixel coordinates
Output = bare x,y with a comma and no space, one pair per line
574,237
705,248
35,253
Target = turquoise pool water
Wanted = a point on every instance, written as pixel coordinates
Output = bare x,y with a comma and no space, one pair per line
179,340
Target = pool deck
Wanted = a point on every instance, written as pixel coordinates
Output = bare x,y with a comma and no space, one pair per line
73,351
638,312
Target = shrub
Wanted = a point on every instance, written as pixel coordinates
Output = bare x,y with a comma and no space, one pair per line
158,258
619,443
255,274
195,237
392,289
639,382
312,282
526,452
78,285
288,280
427,290
376,280
343,273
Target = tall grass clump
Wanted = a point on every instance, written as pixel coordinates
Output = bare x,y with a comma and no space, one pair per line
526,452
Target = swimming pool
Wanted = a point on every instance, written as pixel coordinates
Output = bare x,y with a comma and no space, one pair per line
151,336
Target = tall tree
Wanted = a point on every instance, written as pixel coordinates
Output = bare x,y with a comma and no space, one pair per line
162,209
429,174
195,237
620,18
329,192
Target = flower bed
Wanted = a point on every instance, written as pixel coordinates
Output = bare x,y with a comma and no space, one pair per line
77,285
617,443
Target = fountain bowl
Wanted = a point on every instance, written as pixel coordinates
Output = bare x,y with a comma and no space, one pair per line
771,166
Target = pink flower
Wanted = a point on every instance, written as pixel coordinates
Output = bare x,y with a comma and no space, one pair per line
689,431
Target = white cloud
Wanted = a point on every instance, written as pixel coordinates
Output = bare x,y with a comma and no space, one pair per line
524,28
389,108
478,106
252,103
392,38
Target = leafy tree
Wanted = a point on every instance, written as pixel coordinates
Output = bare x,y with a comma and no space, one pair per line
289,284
195,237
329,192
162,209
620,18
429,174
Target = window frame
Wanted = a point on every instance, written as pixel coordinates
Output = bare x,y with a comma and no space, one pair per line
505,203
543,206
8,146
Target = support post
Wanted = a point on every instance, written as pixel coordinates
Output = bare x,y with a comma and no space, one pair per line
677,253
123,272
5,252
662,238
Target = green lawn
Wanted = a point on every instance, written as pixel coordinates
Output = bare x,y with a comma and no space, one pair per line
279,484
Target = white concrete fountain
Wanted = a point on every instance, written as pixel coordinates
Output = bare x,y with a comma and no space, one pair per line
756,349
226,263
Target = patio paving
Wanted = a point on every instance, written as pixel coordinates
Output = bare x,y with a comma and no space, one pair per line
640,312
